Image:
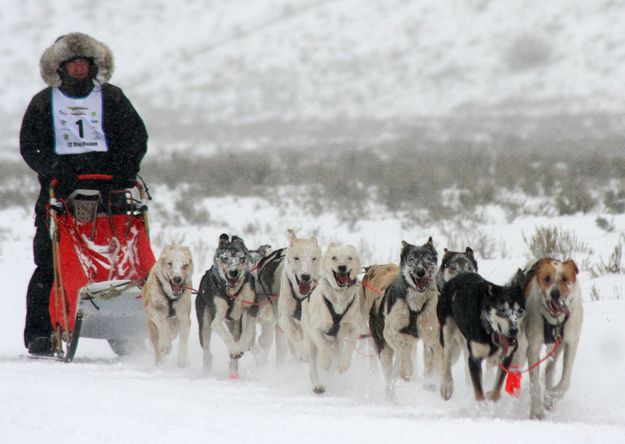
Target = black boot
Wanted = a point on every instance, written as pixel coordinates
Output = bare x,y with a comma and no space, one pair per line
40,346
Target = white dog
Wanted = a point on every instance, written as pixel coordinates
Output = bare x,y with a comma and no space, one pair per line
300,276
554,315
167,302
332,317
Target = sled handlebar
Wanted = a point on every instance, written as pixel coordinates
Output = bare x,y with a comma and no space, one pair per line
95,176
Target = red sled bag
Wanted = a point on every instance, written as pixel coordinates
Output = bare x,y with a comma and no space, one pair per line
102,255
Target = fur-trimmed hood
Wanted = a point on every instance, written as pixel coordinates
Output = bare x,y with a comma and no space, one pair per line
72,45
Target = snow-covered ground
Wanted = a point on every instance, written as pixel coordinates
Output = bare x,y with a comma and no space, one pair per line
101,398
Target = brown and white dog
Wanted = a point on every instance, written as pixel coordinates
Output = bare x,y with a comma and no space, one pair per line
167,302
554,316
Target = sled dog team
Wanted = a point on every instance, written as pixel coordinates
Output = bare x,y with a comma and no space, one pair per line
315,309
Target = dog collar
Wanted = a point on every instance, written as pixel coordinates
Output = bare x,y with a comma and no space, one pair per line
553,331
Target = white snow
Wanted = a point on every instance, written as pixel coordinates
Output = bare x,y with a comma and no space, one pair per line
101,398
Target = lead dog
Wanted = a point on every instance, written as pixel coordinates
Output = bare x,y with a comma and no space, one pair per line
489,318
332,318
554,315
226,302
300,276
167,302
407,312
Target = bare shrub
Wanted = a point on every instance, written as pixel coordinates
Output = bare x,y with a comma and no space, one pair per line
594,293
605,224
480,241
549,241
614,264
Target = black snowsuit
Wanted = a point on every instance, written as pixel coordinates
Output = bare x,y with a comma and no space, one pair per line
126,138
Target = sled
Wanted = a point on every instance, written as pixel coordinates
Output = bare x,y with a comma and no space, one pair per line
101,255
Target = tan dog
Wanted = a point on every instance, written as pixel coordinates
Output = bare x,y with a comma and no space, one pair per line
167,302
332,317
554,314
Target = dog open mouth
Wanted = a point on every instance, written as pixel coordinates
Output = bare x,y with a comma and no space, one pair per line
176,288
505,343
423,283
232,281
304,287
342,279
557,307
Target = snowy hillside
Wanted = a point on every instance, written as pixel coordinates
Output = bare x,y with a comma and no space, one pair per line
245,73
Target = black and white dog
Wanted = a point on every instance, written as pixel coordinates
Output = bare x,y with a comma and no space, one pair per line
267,273
227,303
454,263
407,312
489,317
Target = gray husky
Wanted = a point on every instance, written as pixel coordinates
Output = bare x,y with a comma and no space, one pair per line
407,312
227,302
454,263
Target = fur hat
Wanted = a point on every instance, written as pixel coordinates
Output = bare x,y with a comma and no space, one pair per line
75,44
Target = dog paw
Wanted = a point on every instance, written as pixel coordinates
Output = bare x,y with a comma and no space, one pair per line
344,364
182,362
164,349
446,391
494,395
319,390
551,399
325,360
539,415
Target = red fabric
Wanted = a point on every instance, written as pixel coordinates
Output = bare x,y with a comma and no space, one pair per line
119,249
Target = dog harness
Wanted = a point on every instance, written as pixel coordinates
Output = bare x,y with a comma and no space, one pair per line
411,329
297,313
170,301
336,318
553,332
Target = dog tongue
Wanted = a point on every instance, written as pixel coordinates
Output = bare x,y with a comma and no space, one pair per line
304,288
344,279
559,308
505,344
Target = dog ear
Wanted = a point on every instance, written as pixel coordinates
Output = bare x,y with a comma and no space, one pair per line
292,236
430,242
223,239
238,240
469,251
572,265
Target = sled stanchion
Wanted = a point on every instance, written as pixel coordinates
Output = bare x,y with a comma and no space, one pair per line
75,336
59,291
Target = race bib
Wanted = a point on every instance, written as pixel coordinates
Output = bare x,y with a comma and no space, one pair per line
78,123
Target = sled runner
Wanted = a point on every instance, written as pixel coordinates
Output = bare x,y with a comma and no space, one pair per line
101,254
